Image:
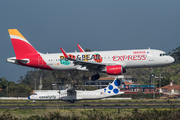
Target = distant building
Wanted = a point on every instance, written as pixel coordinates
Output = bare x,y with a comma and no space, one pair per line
105,81
127,85
171,89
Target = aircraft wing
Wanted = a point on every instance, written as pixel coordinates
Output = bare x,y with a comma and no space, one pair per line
87,64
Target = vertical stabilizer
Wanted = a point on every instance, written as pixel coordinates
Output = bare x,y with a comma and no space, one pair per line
114,87
21,46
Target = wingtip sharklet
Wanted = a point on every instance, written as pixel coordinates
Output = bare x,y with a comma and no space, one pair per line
64,53
80,48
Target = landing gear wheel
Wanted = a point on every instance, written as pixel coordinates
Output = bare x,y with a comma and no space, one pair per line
72,101
95,77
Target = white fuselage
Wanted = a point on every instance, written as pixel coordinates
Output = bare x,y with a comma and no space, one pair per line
126,58
111,62
74,95
68,96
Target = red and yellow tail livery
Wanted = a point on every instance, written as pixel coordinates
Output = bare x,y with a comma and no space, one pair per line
21,46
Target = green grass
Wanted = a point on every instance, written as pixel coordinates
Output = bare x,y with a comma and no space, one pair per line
94,114
87,101
29,112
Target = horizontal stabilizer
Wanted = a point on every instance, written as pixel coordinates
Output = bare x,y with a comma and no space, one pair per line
16,61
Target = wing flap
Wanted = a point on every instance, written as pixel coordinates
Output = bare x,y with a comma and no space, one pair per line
90,65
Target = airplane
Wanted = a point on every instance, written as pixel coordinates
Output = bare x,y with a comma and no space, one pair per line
74,95
113,62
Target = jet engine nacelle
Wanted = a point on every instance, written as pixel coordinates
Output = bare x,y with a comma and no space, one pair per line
115,70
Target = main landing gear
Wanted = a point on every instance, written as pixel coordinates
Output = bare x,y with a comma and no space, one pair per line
95,77
72,101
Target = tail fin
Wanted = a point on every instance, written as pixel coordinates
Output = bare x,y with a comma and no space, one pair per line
21,46
114,87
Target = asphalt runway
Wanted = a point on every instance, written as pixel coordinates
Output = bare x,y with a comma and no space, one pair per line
89,105
76,103
92,107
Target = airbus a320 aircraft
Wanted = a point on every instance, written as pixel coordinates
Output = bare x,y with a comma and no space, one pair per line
74,95
110,62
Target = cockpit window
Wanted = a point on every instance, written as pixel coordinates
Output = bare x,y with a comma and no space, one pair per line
163,54
34,94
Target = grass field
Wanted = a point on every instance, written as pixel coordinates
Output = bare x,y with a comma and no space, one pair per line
133,100
91,114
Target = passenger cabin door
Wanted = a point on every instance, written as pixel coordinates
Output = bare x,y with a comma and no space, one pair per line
151,56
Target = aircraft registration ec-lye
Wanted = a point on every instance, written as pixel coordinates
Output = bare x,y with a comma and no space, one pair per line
111,62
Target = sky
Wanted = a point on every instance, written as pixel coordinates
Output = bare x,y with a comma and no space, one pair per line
94,24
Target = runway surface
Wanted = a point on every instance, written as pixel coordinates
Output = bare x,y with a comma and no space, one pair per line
88,105
81,103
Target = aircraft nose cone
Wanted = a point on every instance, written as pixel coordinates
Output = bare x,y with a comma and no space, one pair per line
29,97
172,59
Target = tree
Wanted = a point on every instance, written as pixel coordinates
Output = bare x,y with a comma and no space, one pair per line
175,54
19,90
165,80
3,83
